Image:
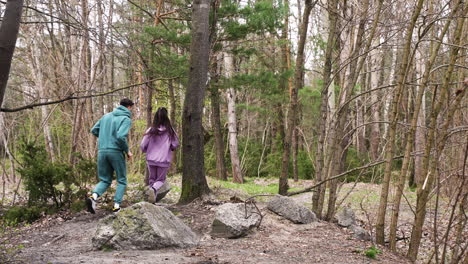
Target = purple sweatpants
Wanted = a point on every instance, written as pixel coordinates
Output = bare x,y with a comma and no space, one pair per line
157,176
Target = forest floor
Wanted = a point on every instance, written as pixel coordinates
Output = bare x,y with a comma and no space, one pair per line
66,237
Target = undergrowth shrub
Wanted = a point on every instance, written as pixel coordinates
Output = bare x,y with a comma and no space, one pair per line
18,214
56,182
372,252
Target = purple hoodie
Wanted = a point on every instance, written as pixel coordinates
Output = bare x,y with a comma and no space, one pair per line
158,147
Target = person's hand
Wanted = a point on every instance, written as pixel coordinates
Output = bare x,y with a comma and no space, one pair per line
129,155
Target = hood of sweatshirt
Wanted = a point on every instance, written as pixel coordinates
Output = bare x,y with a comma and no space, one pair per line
122,111
161,129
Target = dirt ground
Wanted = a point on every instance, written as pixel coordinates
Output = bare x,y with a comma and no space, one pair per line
67,239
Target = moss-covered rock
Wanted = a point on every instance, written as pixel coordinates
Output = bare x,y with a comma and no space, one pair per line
143,226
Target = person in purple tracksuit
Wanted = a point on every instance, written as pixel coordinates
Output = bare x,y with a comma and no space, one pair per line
159,141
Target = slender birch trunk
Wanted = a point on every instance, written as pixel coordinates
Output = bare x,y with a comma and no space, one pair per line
232,121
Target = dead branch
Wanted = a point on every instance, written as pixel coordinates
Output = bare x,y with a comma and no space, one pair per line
373,164
72,97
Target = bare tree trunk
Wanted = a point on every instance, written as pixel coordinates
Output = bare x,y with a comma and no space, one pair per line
434,49
376,60
339,141
40,82
172,114
232,122
4,138
298,83
8,35
406,62
216,119
318,196
431,160
295,150
194,183
101,68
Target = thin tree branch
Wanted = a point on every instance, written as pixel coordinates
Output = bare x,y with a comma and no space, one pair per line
141,8
373,164
71,97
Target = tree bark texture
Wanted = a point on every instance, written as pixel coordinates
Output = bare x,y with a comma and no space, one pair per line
217,127
393,118
8,34
194,183
434,49
430,159
232,121
293,107
319,195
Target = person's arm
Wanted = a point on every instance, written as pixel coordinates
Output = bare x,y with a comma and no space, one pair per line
95,129
174,141
122,134
145,142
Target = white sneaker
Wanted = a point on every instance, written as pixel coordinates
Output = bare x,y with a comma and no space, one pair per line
91,204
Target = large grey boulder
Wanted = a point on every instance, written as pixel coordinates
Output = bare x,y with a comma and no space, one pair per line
360,233
233,220
289,209
143,226
346,217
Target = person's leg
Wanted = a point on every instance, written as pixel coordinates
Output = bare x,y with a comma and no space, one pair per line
117,160
153,174
161,178
105,172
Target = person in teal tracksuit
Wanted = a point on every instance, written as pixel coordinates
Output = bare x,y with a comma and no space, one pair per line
112,131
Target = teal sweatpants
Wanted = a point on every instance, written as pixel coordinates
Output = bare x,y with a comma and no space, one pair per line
108,162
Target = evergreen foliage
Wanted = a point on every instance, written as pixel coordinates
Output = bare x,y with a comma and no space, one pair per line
47,181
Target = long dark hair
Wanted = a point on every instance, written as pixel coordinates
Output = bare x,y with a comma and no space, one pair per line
161,119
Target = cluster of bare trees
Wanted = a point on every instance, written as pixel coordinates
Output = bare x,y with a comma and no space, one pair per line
385,79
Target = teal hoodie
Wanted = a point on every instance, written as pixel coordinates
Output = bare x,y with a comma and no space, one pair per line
112,130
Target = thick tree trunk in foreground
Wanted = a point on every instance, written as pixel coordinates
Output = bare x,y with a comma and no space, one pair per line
298,82
8,35
194,183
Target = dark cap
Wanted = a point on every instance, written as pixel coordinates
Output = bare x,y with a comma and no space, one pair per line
126,102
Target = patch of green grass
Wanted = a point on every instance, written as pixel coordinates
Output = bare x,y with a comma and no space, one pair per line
372,252
250,187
